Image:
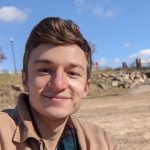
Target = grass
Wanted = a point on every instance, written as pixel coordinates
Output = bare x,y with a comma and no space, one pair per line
8,96
7,79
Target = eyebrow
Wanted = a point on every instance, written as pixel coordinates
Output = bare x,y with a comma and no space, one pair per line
76,65
45,61
71,65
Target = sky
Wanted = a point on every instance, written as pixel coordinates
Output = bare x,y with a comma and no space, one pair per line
119,29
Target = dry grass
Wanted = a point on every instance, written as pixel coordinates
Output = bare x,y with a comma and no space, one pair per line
8,96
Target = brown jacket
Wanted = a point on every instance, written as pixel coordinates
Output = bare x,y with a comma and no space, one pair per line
17,132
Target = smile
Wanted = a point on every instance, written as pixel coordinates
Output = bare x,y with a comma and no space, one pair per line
57,98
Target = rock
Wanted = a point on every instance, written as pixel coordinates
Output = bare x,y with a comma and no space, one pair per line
137,75
144,76
115,83
141,80
129,81
99,76
117,78
126,85
111,75
125,76
122,79
104,75
147,73
121,83
102,86
132,85
136,81
17,87
131,76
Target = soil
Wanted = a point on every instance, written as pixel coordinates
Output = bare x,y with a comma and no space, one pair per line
125,117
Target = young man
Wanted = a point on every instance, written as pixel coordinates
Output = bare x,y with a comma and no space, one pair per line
56,73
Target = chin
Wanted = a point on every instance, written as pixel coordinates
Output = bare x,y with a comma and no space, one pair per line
57,115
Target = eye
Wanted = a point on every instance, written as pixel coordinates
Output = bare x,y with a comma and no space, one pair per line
73,74
44,71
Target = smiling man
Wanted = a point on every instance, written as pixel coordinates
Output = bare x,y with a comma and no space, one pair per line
56,75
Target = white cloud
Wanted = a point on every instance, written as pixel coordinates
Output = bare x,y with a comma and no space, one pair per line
102,61
129,45
146,61
100,12
109,13
117,60
94,8
97,11
143,54
81,5
12,14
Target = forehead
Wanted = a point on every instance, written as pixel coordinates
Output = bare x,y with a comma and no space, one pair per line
59,54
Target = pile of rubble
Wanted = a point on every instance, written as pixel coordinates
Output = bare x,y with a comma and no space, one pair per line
122,79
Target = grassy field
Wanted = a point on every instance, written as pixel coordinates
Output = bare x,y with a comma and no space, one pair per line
124,114
8,96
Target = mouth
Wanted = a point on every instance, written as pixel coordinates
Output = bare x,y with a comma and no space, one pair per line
56,98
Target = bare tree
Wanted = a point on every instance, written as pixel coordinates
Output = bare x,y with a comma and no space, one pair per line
93,47
138,63
124,65
2,55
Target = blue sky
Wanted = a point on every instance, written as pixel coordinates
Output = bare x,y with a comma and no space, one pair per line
119,29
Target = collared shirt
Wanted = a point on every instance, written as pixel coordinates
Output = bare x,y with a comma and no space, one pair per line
68,140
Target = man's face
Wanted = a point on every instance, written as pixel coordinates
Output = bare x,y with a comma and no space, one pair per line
57,80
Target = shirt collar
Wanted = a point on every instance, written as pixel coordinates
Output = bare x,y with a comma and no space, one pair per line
25,128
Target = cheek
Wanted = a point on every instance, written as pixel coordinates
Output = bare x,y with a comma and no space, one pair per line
78,88
37,82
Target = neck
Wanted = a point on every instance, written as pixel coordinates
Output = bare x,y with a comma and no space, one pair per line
49,129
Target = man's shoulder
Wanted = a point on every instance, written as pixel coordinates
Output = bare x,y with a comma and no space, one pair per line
93,132
87,125
8,116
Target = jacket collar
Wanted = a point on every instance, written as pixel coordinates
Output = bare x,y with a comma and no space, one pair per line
25,128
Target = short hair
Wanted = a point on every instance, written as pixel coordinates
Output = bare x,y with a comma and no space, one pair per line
56,31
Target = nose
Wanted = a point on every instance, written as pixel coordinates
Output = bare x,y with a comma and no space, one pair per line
58,81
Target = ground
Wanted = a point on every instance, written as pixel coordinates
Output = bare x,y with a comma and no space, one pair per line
125,117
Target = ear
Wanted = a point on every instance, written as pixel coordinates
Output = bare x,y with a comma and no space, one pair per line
24,82
86,90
